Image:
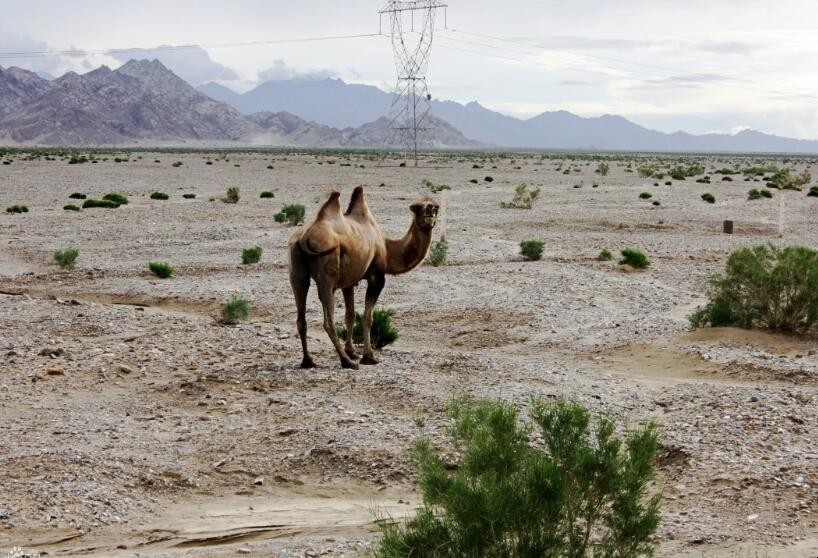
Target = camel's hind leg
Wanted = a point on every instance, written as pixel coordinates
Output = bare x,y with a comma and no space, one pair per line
373,291
349,319
300,282
327,295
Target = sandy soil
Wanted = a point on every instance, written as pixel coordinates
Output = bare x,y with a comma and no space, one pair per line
135,424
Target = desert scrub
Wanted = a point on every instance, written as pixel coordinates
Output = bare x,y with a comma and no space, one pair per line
232,195
645,196
708,197
77,196
163,270
189,196
438,252
266,195
813,192
764,286
383,333
251,255
435,188
604,256
235,310
71,207
531,250
634,258
177,164
523,198
602,169
66,258
580,492
117,198
17,209
159,196
489,179
292,214
92,203
753,195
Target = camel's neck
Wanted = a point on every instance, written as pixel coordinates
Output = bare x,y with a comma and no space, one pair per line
405,254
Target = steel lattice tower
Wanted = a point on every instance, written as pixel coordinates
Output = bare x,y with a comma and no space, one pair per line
413,26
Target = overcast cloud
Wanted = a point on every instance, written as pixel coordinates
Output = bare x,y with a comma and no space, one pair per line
697,65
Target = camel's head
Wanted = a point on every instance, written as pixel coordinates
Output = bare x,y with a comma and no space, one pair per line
425,211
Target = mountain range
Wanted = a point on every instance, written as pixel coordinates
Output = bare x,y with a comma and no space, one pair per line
144,103
334,102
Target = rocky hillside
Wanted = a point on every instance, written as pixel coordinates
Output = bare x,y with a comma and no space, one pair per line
20,87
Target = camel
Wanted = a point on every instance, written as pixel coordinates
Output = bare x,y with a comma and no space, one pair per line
340,249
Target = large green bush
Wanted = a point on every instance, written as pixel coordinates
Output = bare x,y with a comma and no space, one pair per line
580,492
292,214
634,258
383,333
764,286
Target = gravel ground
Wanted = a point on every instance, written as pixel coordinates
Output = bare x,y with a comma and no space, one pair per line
136,424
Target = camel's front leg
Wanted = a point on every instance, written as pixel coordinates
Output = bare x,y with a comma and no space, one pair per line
373,291
349,302
327,296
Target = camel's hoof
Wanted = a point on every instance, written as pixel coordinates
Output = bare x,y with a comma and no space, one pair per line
351,365
369,360
307,363
352,354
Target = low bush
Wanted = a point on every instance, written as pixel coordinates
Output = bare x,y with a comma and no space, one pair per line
235,310
91,203
438,252
71,207
117,198
531,250
232,195
267,195
523,198
708,197
251,255
66,258
753,194
435,188
77,196
159,196
580,491
766,194
604,256
177,164
382,333
489,179
163,270
813,192
645,196
764,286
602,169
17,209
189,196
292,214
634,258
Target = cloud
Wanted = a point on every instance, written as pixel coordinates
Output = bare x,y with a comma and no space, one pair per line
192,64
279,71
14,43
576,83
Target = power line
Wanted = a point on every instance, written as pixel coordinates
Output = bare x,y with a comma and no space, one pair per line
84,52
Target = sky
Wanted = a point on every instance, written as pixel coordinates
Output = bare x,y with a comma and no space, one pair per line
693,65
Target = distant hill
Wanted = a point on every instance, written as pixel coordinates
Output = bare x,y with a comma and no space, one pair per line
335,103
144,103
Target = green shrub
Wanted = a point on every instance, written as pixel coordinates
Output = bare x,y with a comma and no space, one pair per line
753,194
17,209
438,252
163,270
177,164
531,250
813,192
656,203
708,197
604,256
602,169
580,492
645,196
786,179
292,214
189,196
267,195
381,334
489,179
159,196
634,258
523,198
251,255
232,195
766,194
235,310
71,207
117,198
66,258
77,196
92,203
764,286
474,181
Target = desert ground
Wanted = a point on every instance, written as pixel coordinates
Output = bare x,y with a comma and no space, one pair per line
135,424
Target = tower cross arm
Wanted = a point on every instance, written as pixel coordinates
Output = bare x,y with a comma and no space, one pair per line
411,5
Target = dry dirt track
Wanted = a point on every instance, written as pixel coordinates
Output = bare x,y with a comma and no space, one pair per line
159,432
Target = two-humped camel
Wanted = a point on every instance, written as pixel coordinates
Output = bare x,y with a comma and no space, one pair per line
338,250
